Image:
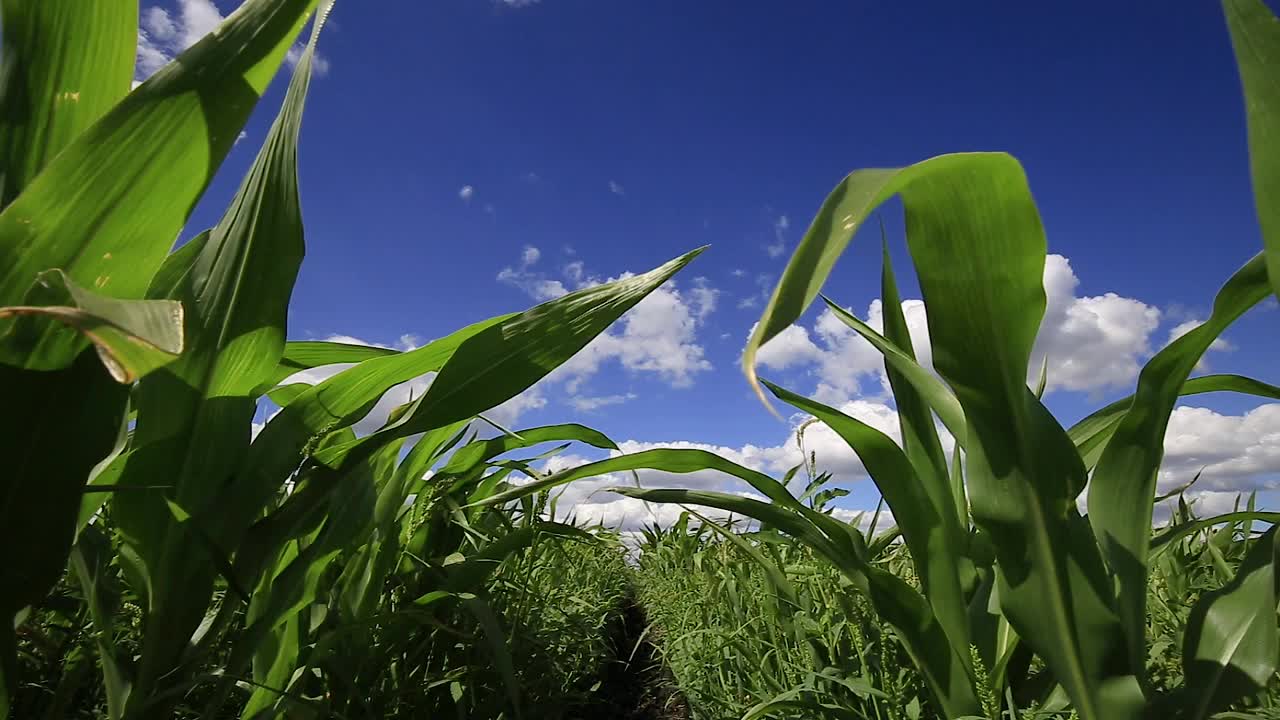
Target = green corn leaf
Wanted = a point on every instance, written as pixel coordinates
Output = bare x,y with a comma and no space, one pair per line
90,559
915,414
294,583
928,526
1168,537
501,362
1124,481
132,337
469,455
927,386
686,461
302,355
40,489
321,410
165,139
1255,35
65,63
236,289
979,248
1232,643
1092,434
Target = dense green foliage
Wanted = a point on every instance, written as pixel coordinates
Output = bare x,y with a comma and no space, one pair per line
758,626
167,560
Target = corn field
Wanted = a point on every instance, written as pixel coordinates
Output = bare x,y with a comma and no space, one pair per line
168,559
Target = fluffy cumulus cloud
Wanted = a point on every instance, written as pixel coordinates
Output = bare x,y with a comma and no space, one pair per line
162,35
1234,454
1092,343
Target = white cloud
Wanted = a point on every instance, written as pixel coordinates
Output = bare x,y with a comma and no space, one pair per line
583,403
1237,454
703,298
517,3
466,193
538,287
588,500
163,35
738,272
1093,343
616,189
779,244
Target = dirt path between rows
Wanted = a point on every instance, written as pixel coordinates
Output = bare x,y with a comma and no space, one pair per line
635,685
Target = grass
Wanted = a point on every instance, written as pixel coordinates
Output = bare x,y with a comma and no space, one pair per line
164,560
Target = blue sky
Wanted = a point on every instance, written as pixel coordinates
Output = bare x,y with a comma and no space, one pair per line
462,157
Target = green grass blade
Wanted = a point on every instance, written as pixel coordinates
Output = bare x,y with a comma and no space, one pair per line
1232,643
1122,489
1255,35
90,559
107,209
65,64
501,362
893,599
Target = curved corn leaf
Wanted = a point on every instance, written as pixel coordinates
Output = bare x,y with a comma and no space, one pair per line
108,207
1232,643
843,212
1123,484
320,410
927,386
236,290
979,249
1092,434
502,361
930,529
915,413
1255,35
65,63
684,460
1171,535
132,337
40,489
302,355
482,450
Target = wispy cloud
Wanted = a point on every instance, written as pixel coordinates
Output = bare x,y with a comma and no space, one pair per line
466,193
779,244
616,189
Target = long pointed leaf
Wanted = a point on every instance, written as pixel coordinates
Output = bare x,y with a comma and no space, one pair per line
1122,489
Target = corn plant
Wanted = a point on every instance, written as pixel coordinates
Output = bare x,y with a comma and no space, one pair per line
220,536
1006,562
